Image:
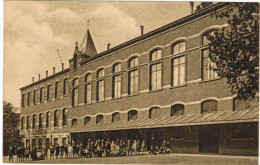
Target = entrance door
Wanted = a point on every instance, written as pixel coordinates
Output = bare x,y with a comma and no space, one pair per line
209,139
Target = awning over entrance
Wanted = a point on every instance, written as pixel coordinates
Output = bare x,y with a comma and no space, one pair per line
221,117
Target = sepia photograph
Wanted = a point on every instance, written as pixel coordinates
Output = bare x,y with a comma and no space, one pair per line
130,82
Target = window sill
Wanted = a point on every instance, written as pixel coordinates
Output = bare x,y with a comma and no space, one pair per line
204,81
157,90
242,139
179,86
64,126
131,95
100,101
117,98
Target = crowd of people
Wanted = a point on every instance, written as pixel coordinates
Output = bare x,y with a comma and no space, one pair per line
97,148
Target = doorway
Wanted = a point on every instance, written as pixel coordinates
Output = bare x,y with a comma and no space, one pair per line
209,139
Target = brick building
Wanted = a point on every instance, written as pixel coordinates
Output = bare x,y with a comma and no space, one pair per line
157,86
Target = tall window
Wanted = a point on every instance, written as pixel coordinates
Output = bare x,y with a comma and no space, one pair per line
75,92
49,92
22,123
23,100
74,122
57,89
33,144
34,121
100,85
153,112
28,123
177,109
209,106
56,142
40,144
156,70
240,104
117,81
64,139
116,117
34,96
64,117
40,120
41,94
133,76
56,118
48,119
75,60
48,143
28,98
87,120
65,86
207,65
132,115
99,119
88,79
180,47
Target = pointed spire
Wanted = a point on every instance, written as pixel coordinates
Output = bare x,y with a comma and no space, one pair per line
87,45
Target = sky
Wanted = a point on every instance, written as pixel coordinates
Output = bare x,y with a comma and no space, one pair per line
34,30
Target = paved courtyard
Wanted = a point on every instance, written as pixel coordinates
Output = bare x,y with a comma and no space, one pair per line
182,159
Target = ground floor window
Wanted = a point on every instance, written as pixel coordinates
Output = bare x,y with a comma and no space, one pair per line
243,131
56,142
178,133
40,144
47,143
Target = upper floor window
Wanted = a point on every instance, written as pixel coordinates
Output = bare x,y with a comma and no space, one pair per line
49,92
56,118
153,112
100,86
87,120
57,89
41,94
156,70
75,92
209,106
74,122
40,120
65,86
34,96
116,81
88,89
99,119
133,76
75,61
178,71
115,117
34,121
23,100
205,37
28,98
132,115
177,110
64,117
156,55
240,104
180,47
22,123
28,123
48,119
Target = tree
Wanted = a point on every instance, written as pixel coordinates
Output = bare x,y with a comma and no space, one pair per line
235,48
10,127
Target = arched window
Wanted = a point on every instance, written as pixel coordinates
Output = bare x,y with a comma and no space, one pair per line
28,123
153,112
75,92
40,120
28,98
116,81
64,140
205,37
57,89
115,117
179,47
34,96
177,109
33,144
132,115
207,65
65,86
48,119
100,85
48,143
56,118
209,106
99,119
87,120
74,122
49,92
133,76
23,100
75,60
40,144
33,122
56,142
41,94
156,70
240,104
64,117
88,79
22,123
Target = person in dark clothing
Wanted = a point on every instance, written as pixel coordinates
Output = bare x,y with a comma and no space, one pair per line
66,151
57,149
10,154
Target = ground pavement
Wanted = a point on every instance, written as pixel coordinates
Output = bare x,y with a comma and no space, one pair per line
182,159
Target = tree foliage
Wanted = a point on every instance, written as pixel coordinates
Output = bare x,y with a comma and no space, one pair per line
235,48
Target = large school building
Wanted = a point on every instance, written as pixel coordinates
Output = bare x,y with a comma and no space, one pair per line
157,86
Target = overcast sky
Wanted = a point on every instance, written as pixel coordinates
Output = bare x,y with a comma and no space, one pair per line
33,31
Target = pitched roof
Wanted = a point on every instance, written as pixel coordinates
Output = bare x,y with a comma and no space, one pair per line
87,45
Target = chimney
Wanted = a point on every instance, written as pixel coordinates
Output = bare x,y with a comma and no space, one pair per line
191,7
62,66
108,45
46,73
53,70
39,76
32,79
142,30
